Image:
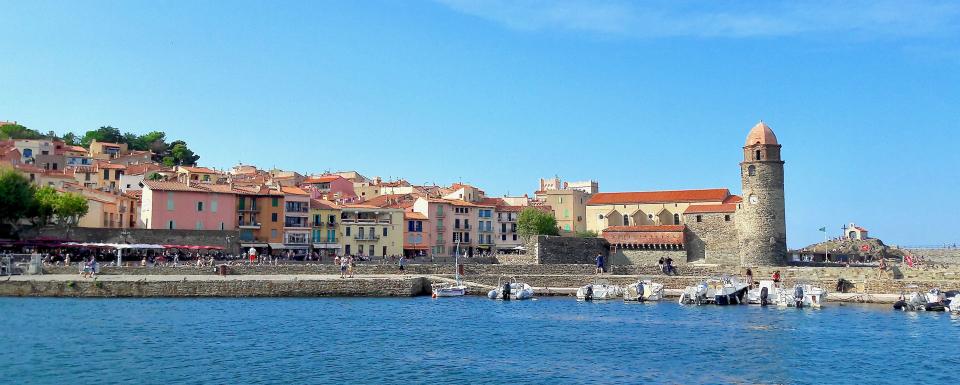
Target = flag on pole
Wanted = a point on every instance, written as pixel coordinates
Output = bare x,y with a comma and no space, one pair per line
823,229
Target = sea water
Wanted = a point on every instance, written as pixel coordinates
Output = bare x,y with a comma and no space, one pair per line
466,340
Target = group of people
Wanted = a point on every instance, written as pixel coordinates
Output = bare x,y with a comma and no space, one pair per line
666,266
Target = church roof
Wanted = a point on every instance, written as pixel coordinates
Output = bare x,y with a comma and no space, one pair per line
761,134
686,196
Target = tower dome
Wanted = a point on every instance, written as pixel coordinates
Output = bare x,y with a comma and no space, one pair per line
761,134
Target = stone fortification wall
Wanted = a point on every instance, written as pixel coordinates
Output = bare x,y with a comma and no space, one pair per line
226,239
646,257
944,255
713,239
761,226
566,250
367,287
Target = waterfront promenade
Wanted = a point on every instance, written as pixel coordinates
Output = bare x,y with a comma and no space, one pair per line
383,280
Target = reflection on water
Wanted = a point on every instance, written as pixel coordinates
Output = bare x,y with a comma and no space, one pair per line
465,340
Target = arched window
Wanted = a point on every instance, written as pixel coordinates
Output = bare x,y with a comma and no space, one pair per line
676,219
752,170
756,155
626,220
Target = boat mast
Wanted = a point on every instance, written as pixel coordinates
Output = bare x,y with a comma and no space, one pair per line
456,263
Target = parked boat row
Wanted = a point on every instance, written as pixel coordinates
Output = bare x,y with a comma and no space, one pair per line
933,300
640,291
733,291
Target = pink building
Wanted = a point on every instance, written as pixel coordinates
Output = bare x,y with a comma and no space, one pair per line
330,187
181,206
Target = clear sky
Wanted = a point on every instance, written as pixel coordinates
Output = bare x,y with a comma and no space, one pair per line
863,95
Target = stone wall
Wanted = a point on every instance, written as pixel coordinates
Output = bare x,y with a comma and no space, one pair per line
713,239
225,238
366,287
554,250
646,257
944,255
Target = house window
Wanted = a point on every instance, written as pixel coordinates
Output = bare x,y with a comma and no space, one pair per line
169,201
116,174
699,218
752,170
170,225
275,202
222,226
273,217
346,250
86,176
384,231
273,233
566,213
199,206
347,230
626,220
756,155
726,217
676,219
213,205
106,174
503,237
384,251
371,250
514,237
199,225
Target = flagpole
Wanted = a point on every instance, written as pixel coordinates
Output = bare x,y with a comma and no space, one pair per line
826,250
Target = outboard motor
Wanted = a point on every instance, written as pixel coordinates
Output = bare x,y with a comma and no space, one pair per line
506,291
798,296
764,294
640,291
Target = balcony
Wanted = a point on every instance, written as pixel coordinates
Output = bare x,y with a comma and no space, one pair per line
325,241
247,209
249,225
368,237
439,214
488,230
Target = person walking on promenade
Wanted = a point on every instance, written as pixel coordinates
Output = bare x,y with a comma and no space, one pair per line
403,261
599,260
660,265
750,278
343,265
352,266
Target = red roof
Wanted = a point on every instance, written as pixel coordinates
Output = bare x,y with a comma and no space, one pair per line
293,190
170,186
710,195
323,204
322,179
733,199
706,209
199,170
645,235
414,215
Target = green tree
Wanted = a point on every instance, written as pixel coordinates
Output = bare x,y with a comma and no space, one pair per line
71,139
16,131
103,134
70,207
183,155
154,176
587,234
16,196
533,222
45,200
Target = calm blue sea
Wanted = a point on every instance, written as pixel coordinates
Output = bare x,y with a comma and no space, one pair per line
466,340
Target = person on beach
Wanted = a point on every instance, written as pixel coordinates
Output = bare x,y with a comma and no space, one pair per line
599,260
403,261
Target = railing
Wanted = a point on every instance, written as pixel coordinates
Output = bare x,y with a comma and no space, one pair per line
248,209
368,237
440,214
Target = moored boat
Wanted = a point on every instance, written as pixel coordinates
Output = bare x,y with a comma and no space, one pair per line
911,302
802,295
729,291
935,300
599,292
643,290
511,290
456,289
698,294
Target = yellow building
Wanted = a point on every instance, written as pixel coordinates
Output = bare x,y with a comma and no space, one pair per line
325,219
569,208
107,151
371,231
648,207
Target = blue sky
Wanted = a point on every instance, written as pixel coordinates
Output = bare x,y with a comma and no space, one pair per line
863,95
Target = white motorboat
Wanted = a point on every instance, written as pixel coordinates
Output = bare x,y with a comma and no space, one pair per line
511,290
599,292
699,294
953,301
935,300
729,291
767,293
456,289
912,302
643,290
802,295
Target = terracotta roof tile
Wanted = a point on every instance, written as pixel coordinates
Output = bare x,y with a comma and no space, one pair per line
322,179
293,190
323,204
414,215
170,186
733,199
709,195
707,209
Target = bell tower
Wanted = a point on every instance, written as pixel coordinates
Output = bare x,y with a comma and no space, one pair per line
761,217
